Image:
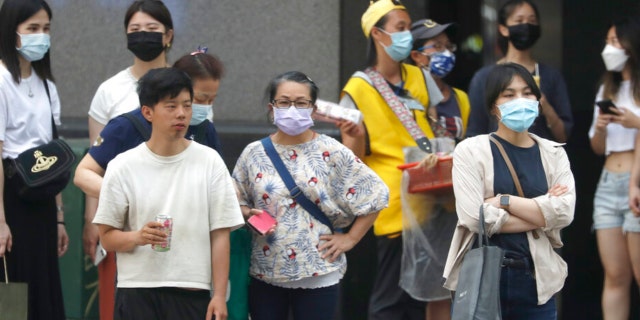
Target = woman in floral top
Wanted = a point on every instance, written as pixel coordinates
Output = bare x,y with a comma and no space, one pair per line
300,263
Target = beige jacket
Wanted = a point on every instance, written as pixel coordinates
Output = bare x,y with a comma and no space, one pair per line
473,182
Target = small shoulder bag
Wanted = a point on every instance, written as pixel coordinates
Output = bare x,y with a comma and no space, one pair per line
42,171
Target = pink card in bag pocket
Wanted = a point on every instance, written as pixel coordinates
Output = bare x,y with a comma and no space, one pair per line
262,223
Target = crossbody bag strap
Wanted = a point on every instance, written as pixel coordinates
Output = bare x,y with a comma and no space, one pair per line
53,123
403,114
514,176
294,190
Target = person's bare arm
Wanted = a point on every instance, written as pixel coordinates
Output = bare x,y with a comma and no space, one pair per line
353,136
5,233
88,176
220,252
634,181
113,239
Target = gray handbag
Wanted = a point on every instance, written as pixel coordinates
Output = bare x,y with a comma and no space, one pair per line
13,298
477,296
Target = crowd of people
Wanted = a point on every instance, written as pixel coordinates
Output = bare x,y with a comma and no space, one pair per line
155,152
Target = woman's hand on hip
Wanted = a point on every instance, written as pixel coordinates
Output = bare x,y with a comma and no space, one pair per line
335,245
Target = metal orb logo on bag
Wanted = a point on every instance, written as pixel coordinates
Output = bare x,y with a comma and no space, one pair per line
43,162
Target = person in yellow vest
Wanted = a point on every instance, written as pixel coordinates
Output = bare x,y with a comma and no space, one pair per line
379,140
434,52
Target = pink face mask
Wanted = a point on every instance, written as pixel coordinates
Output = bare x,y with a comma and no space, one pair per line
292,121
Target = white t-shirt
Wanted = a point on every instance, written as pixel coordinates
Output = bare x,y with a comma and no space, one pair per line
619,138
25,122
114,97
193,187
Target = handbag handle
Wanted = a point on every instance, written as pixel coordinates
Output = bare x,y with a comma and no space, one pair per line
6,275
514,176
483,239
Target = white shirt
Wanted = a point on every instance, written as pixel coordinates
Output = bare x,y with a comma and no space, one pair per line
25,122
619,138
114,97
193,187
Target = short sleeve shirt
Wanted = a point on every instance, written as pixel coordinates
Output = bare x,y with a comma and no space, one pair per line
328,174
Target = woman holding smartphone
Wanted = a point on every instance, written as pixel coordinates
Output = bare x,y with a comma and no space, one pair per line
298,265
613,135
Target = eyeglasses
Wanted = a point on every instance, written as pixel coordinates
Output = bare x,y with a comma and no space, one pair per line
286,103
441,47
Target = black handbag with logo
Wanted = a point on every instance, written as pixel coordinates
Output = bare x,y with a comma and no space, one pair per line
42,171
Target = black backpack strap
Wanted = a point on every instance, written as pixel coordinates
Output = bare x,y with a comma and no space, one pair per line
144,132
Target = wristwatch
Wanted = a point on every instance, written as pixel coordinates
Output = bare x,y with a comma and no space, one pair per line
504,201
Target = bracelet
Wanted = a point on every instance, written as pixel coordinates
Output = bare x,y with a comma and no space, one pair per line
62,223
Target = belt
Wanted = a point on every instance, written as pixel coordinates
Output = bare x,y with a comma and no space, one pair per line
523,263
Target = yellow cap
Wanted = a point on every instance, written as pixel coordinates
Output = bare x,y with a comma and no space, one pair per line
376,11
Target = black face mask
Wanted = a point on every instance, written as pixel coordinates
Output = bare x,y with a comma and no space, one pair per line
145,45
523,36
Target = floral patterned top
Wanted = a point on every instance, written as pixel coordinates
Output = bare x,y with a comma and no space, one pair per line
330,175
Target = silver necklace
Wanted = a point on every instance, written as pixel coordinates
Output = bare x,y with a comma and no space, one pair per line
28,82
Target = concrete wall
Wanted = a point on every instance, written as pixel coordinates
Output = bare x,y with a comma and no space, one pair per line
256,40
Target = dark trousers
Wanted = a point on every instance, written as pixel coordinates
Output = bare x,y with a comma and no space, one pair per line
388,300
519,296
161,303
268,302
34,256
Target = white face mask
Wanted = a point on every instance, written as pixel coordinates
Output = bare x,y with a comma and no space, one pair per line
614,58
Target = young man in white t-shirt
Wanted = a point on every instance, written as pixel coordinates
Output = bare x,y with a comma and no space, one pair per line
173,176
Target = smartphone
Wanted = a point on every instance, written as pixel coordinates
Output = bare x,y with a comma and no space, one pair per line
101,253
262,222
605,106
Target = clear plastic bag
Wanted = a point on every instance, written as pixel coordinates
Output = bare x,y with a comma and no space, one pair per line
428,225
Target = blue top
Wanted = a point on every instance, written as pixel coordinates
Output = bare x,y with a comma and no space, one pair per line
528,166
552,86
120,135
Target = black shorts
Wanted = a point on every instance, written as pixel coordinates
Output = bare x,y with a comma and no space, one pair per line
161,303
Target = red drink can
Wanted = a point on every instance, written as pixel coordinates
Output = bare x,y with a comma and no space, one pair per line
167,227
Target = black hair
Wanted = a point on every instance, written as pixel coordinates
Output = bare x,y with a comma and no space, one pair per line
372,55
158,84
12,14
294,76
505,12
155,8
628,33
499,78
200,65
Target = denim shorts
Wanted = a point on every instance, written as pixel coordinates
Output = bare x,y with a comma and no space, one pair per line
611,203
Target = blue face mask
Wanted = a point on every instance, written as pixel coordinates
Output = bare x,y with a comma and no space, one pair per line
442,63
400,47
199,113
34,46
519,114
